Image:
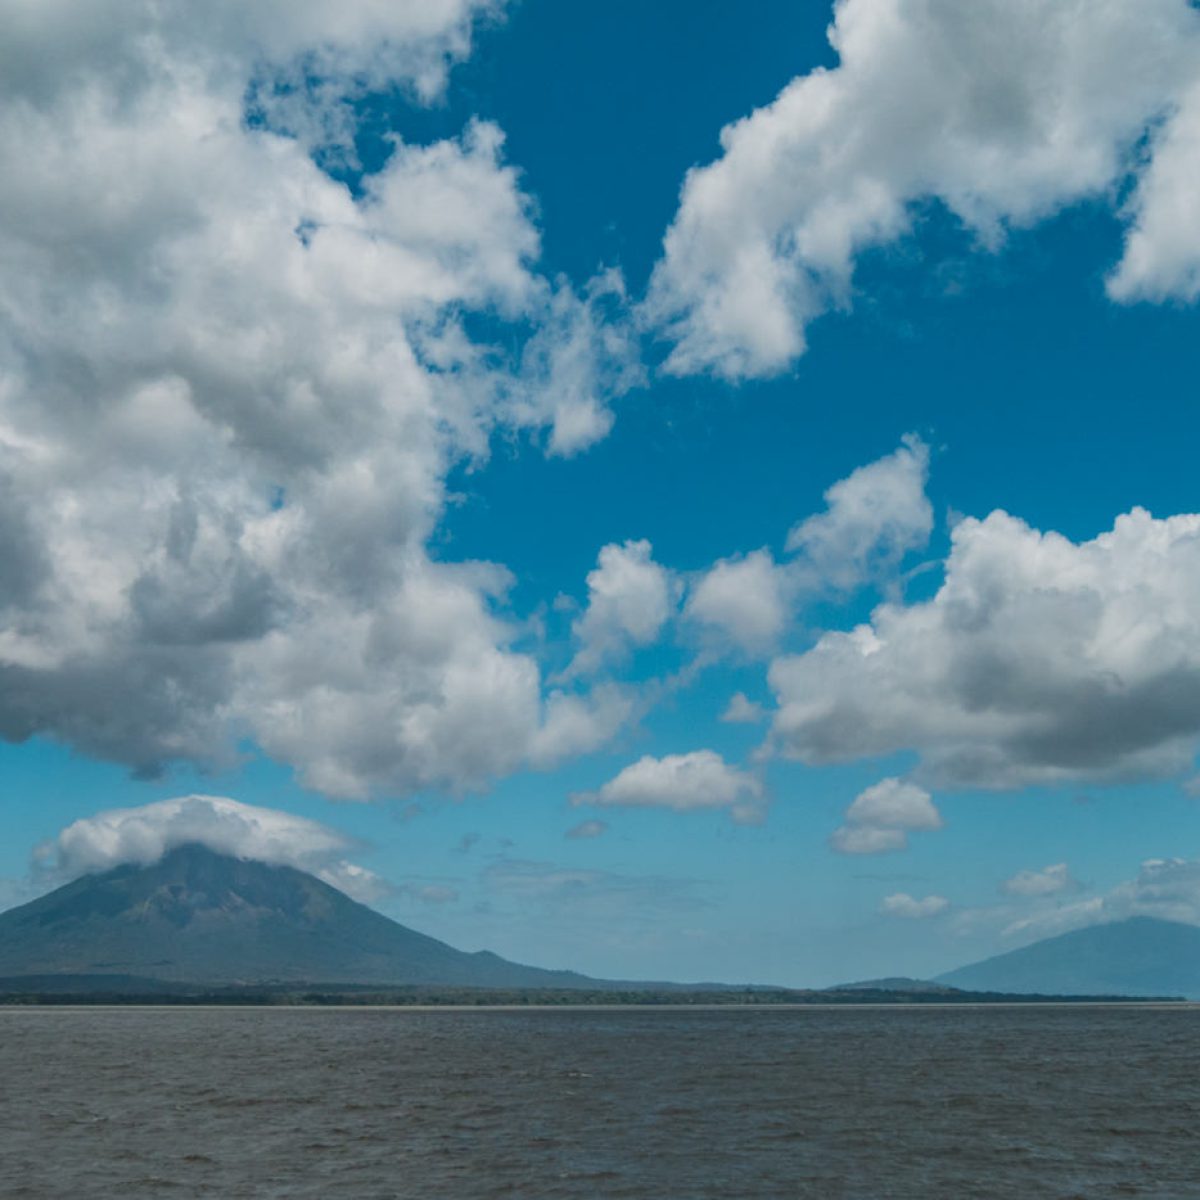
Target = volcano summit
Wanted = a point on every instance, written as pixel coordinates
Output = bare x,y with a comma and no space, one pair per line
199,917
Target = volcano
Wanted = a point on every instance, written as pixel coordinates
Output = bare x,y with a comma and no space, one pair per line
202,918
1140,956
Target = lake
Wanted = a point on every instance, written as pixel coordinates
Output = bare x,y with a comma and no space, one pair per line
870,1103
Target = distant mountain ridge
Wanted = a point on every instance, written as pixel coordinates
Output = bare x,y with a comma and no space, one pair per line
899,984
200,917
1140,956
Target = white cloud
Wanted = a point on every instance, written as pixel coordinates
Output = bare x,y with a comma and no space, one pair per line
882,816
1049,881
1165,888
587,829
745,603
1168,888
1038,661
867,839
896,804
574,724
682,782
874,517
743,711
582,357
630,599
230,392
361,43
143,835
431,893
901,904
1003,112
745,600
1162,252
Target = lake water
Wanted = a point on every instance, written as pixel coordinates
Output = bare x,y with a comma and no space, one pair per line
877,1104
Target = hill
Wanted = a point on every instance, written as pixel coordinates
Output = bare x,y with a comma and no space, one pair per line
199,917
902,985
1141,956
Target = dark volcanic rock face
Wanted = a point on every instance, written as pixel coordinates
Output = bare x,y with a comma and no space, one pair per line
201,917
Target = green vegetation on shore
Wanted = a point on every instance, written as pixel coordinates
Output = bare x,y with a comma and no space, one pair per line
408,997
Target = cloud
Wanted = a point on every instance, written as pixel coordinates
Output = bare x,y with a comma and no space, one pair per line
896,804
630,599
1049,881
901,904
587,891
582,357
231,390
143,835
743,604
1038,661
867,839
701,779
882,816
746,600
873,518
742,711
430,893
573,724
1003,114
587,829
1162,253
1165,888
1168,888
363,44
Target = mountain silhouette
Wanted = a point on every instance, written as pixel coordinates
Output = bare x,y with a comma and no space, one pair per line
1141,956
199,917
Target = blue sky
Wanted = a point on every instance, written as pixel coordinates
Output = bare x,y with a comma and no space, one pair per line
367,455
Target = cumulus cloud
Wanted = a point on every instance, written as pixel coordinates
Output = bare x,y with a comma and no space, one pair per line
746,600
1162,252
682,782
630,599
1038,661
897,804
587,829
874,517
1049,881
1166,888
901,904
582,357
231,390
743,711
363,44
1002,113
881,818
574,724
742,604
143,835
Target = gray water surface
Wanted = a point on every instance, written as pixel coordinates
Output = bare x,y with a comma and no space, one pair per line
827,1103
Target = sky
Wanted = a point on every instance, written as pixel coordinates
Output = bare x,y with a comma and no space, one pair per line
681,491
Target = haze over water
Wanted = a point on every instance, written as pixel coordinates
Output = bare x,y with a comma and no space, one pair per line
831,1103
